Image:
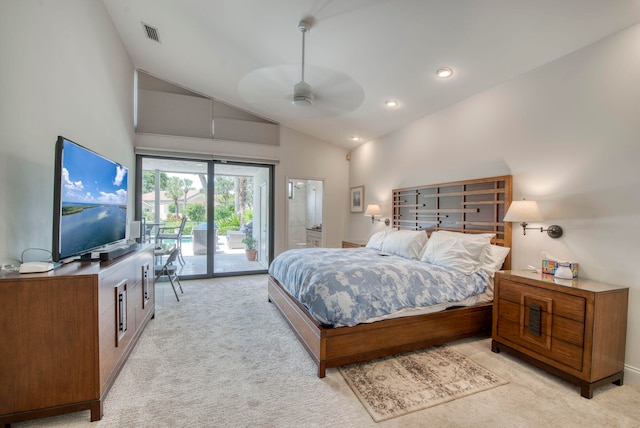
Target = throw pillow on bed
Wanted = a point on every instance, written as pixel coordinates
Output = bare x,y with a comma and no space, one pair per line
377,239
458,251
478,237
405,243
493,258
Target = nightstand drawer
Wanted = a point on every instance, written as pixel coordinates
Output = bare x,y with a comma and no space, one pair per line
557,338
564,305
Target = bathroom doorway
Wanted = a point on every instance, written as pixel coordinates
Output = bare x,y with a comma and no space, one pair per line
304,213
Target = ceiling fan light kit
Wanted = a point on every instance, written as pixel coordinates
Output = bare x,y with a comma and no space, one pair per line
302,95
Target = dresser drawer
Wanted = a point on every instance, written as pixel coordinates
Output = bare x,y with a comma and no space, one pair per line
564,305
559,338
547,322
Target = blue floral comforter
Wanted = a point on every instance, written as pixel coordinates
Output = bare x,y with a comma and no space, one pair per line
349,286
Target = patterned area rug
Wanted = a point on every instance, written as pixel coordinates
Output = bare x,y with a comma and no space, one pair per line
401,384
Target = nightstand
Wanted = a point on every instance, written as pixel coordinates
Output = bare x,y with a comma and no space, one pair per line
574,329
353,244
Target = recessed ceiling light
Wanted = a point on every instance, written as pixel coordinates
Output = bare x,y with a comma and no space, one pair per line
444,72
391,103
355,138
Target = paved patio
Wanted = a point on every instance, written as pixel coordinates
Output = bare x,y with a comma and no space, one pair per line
225,260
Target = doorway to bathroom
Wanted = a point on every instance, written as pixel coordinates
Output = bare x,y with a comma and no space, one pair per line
304,212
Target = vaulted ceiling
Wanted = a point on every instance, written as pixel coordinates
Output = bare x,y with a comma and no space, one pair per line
358,53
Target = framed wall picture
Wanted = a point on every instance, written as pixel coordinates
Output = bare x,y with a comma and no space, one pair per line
357,199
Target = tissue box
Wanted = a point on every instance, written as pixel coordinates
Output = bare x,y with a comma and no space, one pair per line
550,266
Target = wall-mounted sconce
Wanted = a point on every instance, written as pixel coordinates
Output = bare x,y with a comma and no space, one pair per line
524,211
374,211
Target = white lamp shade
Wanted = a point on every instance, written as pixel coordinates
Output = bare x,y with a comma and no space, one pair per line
373,210
523,211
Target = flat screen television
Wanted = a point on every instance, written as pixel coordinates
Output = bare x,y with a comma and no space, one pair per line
90,201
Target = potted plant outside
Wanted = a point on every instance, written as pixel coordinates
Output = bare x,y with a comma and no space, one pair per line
250,247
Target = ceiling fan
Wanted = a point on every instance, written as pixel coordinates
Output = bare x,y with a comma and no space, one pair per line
269,88
302,94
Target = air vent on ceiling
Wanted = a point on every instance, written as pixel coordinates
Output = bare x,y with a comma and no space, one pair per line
151,32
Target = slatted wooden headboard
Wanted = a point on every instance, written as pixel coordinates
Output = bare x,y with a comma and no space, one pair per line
469,206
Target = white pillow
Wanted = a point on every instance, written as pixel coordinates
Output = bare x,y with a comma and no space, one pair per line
458,251
405,243
493,258
482,237
377,239
492,261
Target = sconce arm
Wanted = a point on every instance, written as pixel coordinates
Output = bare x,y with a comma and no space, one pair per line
554,231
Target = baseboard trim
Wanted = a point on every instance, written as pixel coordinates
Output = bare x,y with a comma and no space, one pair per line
631,375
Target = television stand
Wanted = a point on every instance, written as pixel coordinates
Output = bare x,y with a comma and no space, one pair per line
68,332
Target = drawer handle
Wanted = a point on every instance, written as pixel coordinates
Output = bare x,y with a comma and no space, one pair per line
122,311
534,319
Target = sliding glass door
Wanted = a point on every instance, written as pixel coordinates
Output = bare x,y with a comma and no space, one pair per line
227,205
242,208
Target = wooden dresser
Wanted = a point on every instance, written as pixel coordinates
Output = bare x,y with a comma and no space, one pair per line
66,334
575,329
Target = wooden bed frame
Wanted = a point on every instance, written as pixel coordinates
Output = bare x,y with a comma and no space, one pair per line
337,346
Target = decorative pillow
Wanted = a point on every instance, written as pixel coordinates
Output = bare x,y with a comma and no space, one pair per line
482,237
493,258
458,251
377,239
405,243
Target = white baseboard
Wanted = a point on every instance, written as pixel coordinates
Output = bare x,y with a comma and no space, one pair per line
632,375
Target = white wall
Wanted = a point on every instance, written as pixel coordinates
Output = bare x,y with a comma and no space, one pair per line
569,133
305,156
64,72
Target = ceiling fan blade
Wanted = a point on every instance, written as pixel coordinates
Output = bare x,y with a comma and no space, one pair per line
269,83
271,90
320,92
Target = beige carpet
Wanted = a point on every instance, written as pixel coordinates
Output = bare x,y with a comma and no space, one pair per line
394,386
224,357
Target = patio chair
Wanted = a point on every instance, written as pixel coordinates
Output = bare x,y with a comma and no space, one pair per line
170,270
234,239
146,230
175,235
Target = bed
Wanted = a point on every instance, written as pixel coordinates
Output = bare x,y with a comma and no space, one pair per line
470,209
